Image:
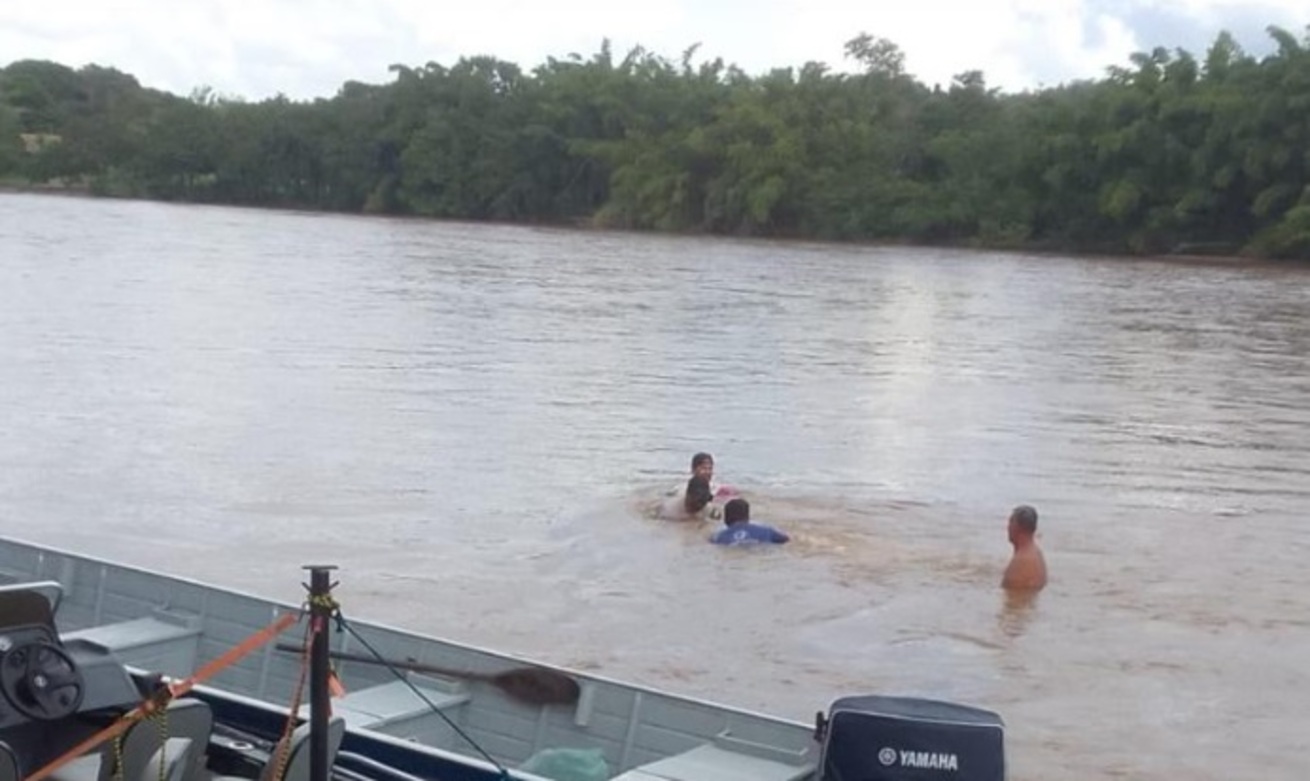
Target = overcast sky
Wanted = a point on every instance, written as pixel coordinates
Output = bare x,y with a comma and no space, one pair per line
307,48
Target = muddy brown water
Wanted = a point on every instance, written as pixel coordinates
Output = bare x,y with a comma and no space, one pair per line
471,420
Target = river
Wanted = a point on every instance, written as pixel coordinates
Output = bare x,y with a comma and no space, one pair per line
472,420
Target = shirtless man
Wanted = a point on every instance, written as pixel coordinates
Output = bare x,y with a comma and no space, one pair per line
1027,569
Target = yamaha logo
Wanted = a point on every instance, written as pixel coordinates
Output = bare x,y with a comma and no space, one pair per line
923,760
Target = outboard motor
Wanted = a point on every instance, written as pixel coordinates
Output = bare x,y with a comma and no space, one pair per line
909,739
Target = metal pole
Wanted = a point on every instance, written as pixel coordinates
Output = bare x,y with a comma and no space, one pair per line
320,667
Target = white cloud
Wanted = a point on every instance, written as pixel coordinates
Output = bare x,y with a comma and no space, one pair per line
309,47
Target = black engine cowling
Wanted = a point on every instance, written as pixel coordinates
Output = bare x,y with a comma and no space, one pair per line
909,739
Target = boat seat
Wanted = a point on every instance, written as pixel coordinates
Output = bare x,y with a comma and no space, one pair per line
713,763
8,764
187,724
165,642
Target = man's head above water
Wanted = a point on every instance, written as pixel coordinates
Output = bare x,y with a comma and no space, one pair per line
702,465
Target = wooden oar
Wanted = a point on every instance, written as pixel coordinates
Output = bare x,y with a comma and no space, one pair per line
530,685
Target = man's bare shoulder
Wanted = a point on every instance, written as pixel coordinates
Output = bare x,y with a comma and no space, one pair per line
1026,571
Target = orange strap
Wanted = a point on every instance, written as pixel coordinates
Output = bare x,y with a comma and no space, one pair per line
234,654
176,689
335,687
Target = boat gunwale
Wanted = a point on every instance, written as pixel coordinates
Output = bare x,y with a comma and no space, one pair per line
516,659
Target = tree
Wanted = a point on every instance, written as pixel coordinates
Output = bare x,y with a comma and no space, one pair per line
1166,150
877,55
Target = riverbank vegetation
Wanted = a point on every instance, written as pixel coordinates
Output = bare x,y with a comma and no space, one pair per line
1172,153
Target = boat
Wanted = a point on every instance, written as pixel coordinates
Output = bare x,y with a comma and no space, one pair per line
109,671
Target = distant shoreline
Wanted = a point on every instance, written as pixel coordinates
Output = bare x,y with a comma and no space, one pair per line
585,225
46,189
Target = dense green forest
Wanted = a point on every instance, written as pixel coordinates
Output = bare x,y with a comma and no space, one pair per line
1170,153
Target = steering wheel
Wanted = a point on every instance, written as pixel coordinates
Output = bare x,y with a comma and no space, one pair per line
41,681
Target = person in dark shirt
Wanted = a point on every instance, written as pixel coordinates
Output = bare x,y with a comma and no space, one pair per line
702,465
695,500
697,496
738,529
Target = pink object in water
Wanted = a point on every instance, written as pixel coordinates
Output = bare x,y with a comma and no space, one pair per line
726,492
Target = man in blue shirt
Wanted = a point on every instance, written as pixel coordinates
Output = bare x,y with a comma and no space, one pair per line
740,531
